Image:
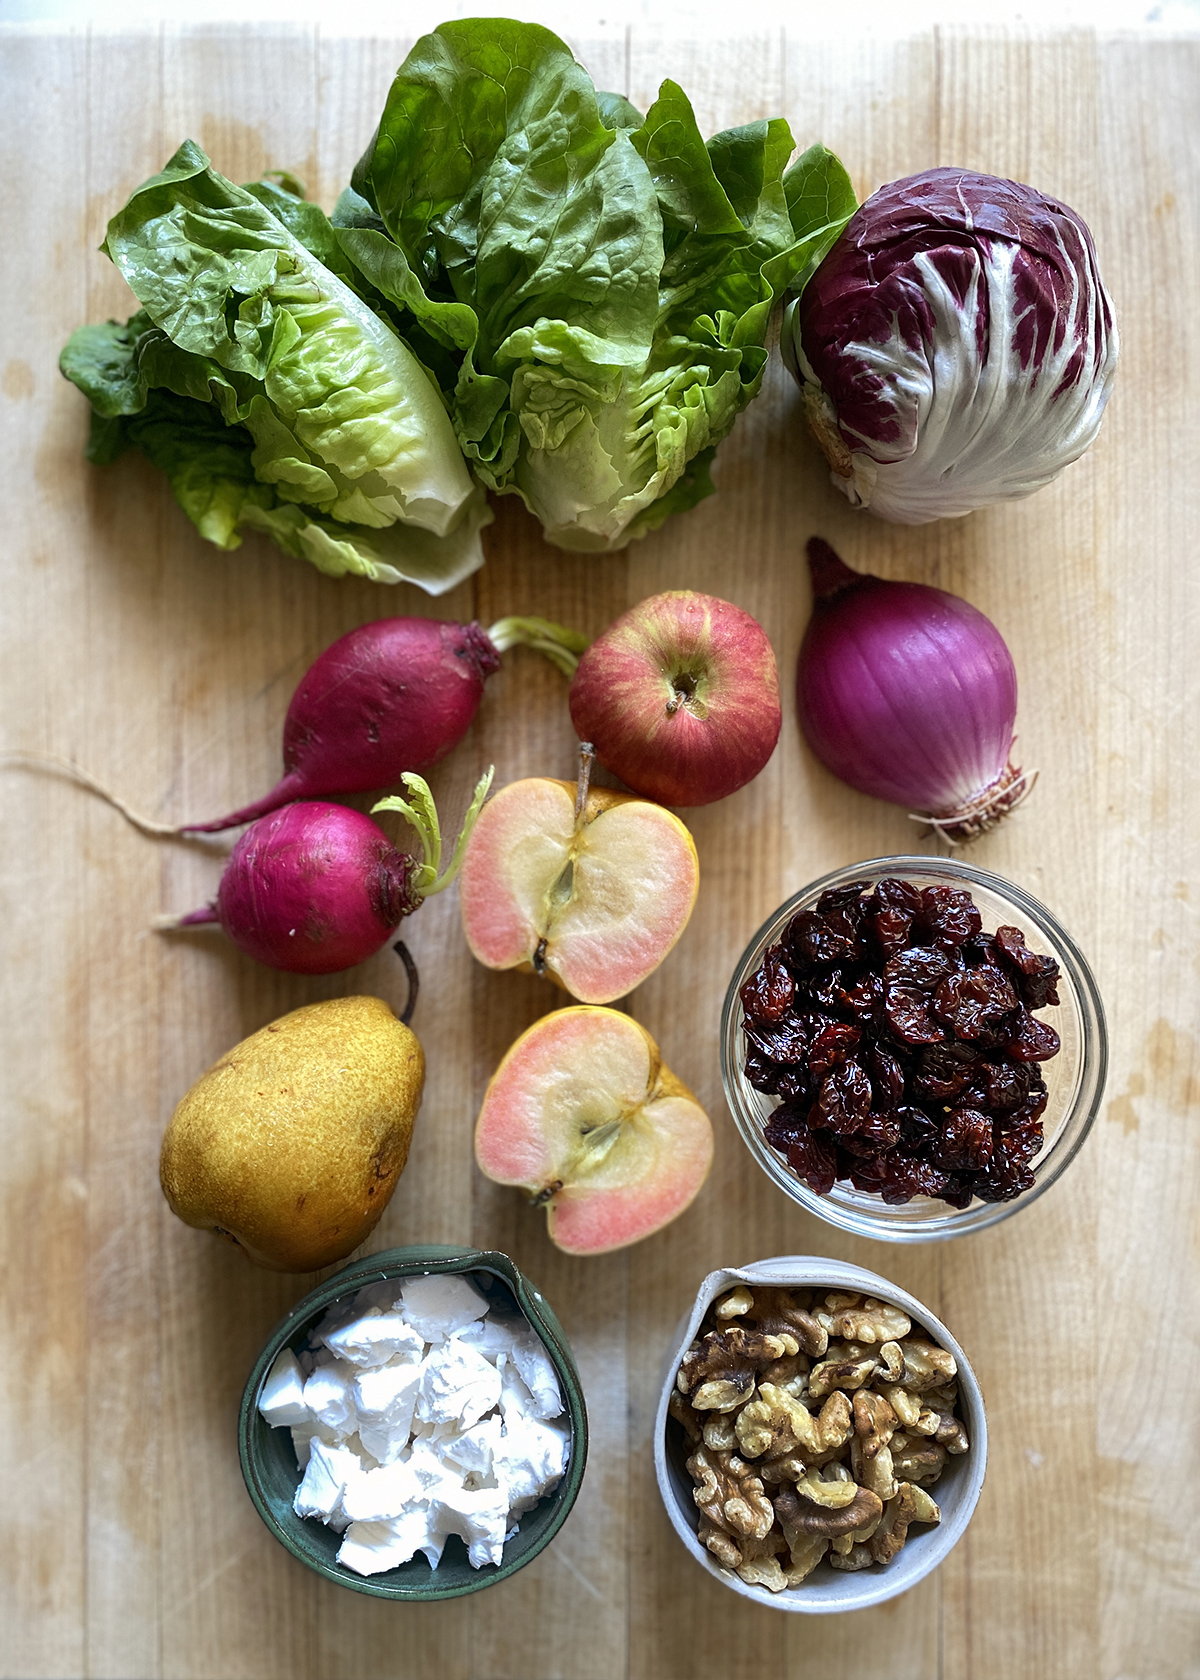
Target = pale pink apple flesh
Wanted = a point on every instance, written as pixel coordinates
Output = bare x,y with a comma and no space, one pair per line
595,905
582,1114
680,697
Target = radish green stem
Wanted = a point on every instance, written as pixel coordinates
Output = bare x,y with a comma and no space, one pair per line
560,645
420,812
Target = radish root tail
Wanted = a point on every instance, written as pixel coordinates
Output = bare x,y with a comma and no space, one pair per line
76,773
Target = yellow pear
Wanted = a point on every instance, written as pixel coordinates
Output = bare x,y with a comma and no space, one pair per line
292,1143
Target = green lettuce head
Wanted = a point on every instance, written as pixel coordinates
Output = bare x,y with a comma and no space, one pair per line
592,288
271,392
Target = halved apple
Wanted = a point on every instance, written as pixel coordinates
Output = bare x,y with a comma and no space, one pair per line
583,1114
594,902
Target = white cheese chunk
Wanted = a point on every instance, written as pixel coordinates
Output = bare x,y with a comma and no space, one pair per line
381,1495
529,1460
281,1400
371,1547
329,1396
480,1518
473,1450
516,1402
440,1304
320,1492
374,1338
537,1373
493,1335
384,1402
458,1386
431,1469
304,1434
389,1393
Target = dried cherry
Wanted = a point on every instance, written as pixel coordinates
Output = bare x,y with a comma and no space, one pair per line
786,1041
786,1126
966,1142
831,1044
844,1098
943,1070
974,1002
873,1134
1031,1040
822,938
887,1076
902,1043
910,979
906,1176
949,914
860,998
916,1128
1037,977
767,995
814,1159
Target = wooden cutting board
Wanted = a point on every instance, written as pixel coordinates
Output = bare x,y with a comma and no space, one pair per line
129,1545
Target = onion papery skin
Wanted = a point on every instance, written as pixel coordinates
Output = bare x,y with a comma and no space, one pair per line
314,888
956,347
909,694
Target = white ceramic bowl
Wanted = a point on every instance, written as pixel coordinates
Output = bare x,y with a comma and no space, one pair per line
827,1591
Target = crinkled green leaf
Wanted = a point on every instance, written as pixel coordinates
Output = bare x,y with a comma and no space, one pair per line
214,466
223,277
256,319
618,272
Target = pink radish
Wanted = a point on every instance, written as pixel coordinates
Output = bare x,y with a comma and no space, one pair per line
391,696
315,887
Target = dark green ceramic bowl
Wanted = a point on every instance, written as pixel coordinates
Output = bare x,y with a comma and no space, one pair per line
269,1463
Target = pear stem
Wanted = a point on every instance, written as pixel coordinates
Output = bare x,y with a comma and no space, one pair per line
410,968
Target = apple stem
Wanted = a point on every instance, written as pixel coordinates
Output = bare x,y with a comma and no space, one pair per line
682,689
587,757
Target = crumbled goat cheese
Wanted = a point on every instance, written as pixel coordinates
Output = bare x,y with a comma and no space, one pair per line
282,1397
416,1413
437,1306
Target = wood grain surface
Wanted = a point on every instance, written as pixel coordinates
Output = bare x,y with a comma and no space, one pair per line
128,1546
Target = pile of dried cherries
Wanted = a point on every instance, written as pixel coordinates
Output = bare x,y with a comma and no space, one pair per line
902,1041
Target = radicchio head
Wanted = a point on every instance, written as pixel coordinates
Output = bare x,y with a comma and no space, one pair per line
956,347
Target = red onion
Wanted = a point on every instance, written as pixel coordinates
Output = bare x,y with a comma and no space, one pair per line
909,694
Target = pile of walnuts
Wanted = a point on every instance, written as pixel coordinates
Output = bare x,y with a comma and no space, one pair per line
814,1429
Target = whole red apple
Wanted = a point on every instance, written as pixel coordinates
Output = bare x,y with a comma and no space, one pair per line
680,698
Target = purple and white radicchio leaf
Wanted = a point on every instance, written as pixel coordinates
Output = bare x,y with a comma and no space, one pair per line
955,348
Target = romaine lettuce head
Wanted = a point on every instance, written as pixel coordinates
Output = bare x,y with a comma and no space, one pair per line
602,281
273,395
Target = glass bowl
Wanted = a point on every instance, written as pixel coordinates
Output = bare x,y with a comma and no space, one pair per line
1074,1078
827,1591
269,1463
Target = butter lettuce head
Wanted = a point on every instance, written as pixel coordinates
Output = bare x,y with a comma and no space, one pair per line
267,387
593,286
